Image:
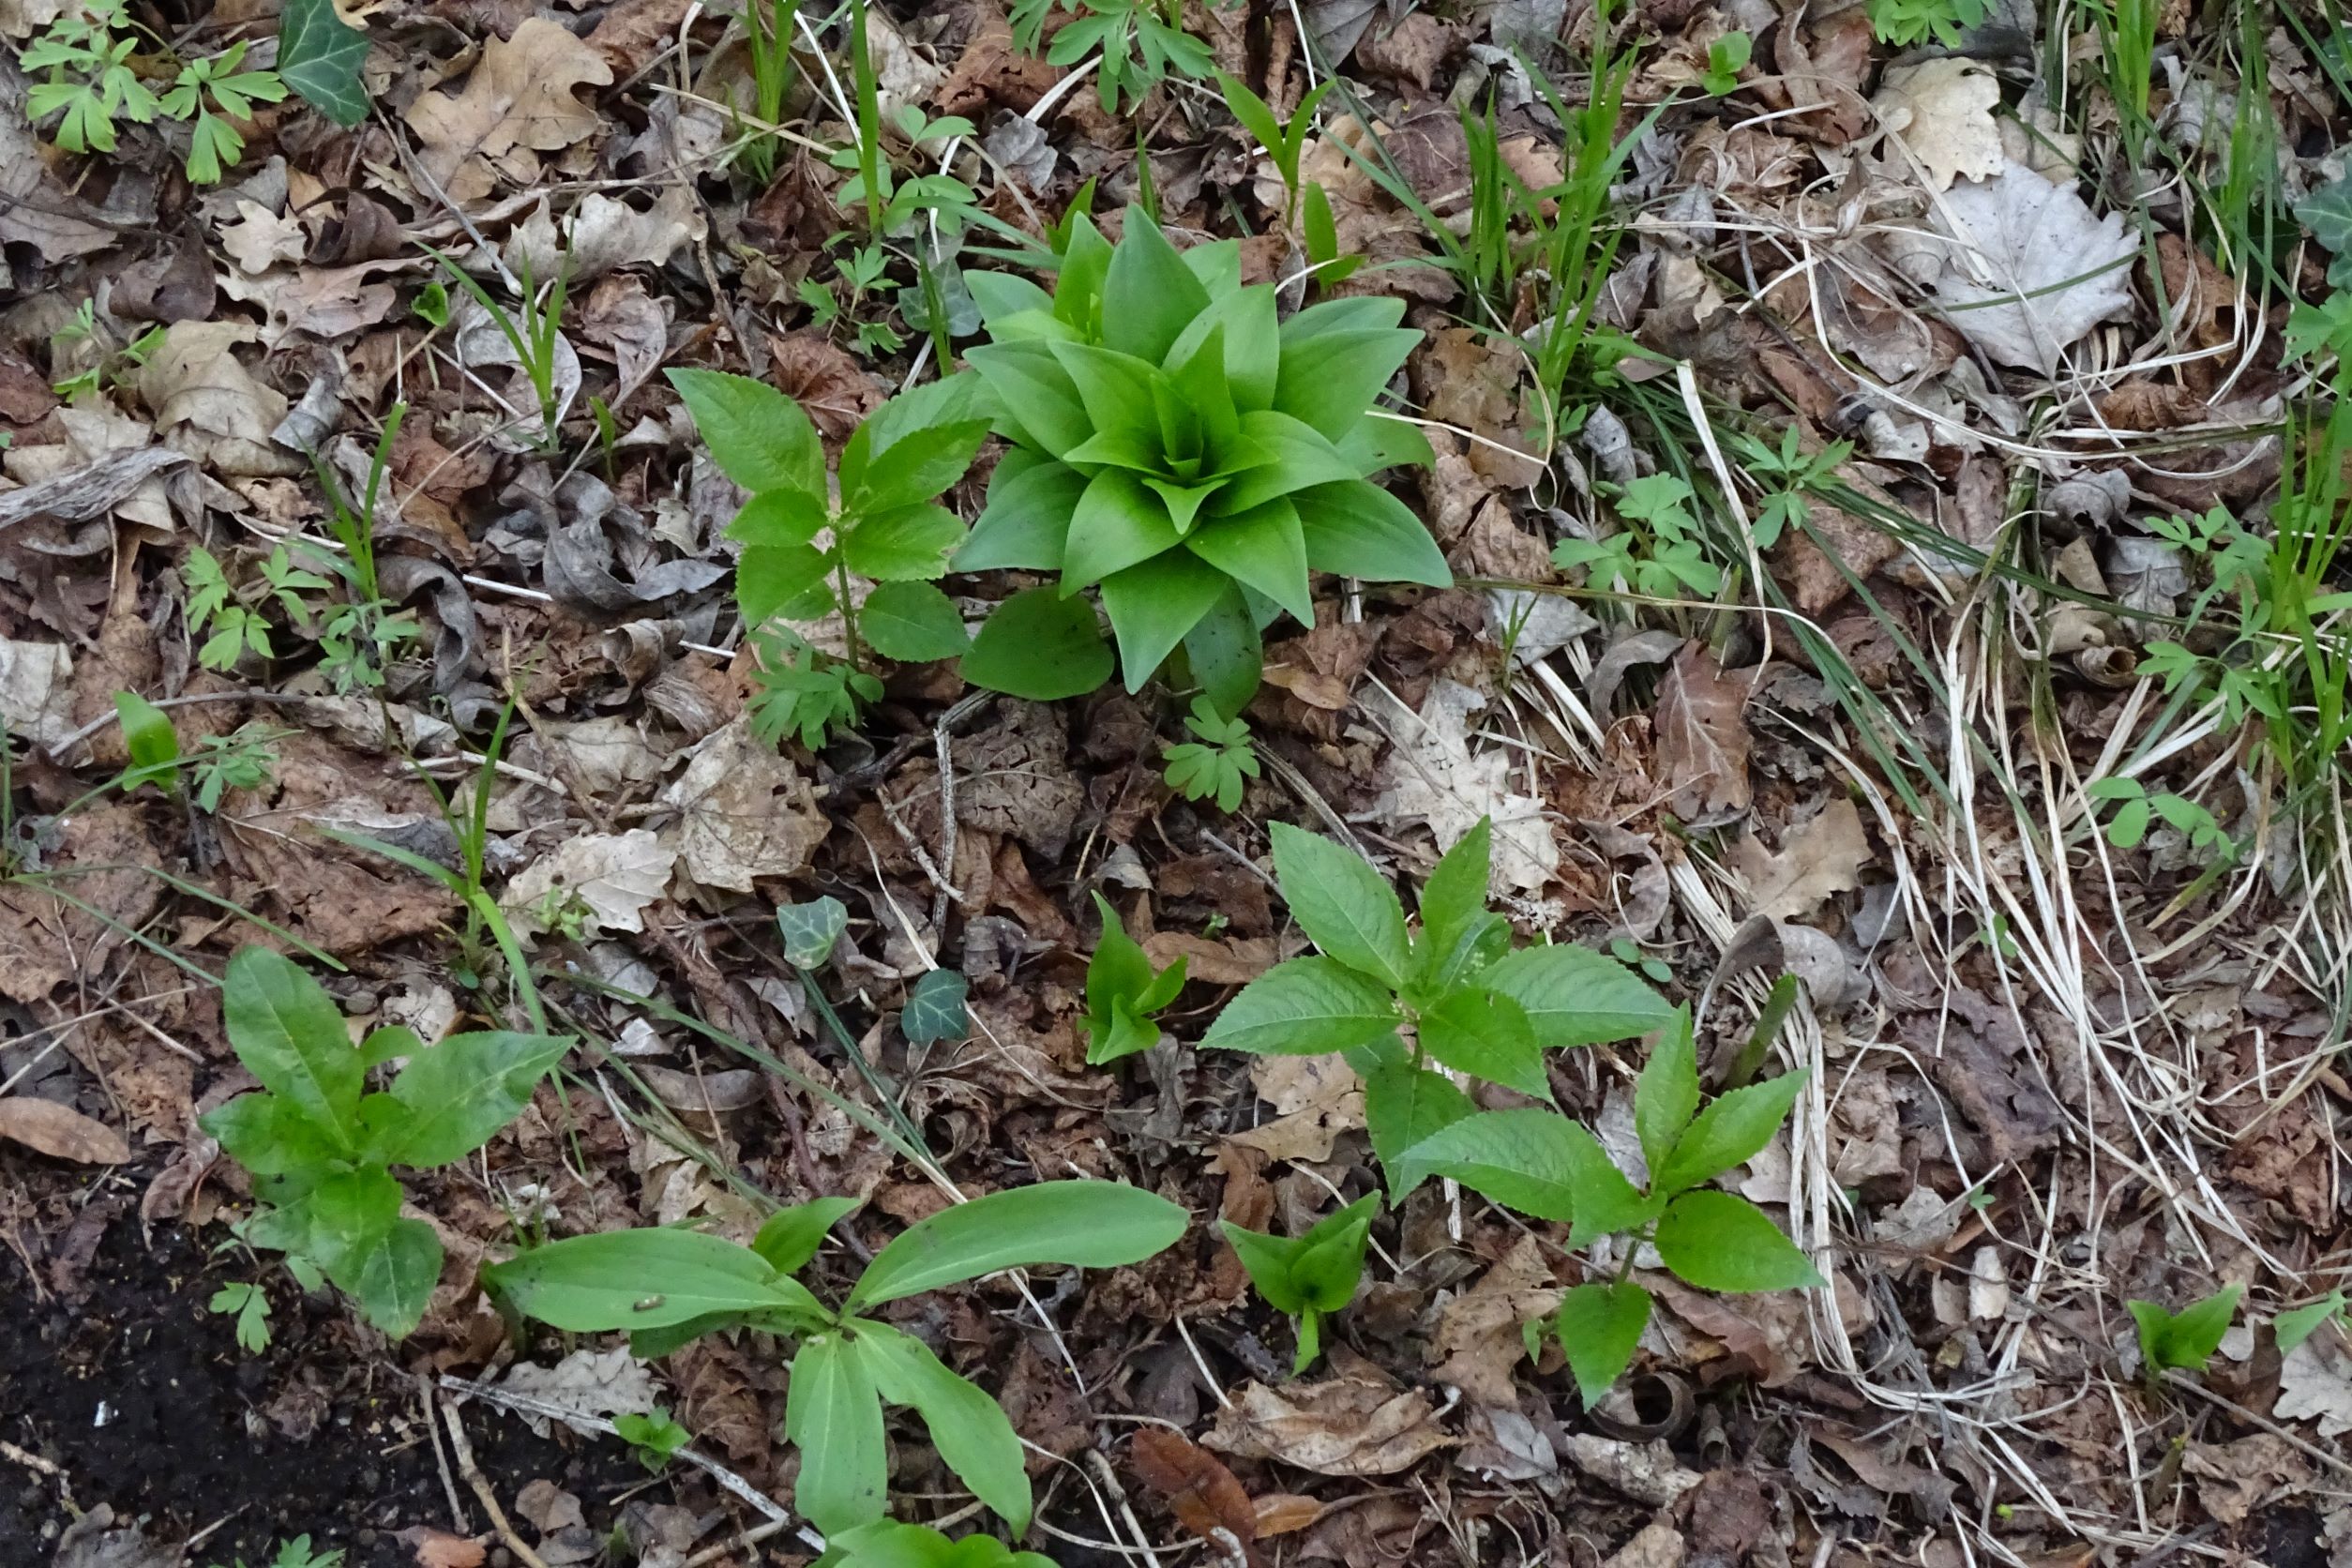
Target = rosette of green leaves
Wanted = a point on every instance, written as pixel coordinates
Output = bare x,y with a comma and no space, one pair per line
1124,991
1309,1274
320,1145
1179,446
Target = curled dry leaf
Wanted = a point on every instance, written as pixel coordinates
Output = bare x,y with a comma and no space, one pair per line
1200,1491
1823,857
517,102
744,811
1355,1422
60,1132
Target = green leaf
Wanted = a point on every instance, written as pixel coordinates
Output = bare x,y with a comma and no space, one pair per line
350,1213
1303,1007
916,467
269,1136
320,57
1734,1128
1404,1106
810,930
1267,1261
154,746
1344,906
1599,1328
1094,1225
1148,294
393,1280
461,1091
1041,646
773,580
1227,655
1027,520
935,1008
1486,1034
1359,530
1330,1260
1577,997
2327,214
1261,549
2292,1328
1155,606
1720,1241
1042,407
1520,1158
832,1414
789,1238
1456,893
1119,395
1607,1204
909,544
644,1279
970,1430
1297,457
1329,379
2184,1340
913,623
291,1036
1666,1095
757,435
1119,522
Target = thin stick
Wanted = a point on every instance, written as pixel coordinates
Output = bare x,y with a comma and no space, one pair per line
2308,1451
751,1537
473,1478
440,1460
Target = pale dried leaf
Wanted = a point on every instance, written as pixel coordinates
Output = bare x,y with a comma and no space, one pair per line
614,875
2316,1383
1942,110
60,1132
1823,857
744,811
518,101
1432,776
2029,270
1353,1422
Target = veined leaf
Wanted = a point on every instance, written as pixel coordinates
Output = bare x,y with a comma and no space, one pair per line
320,57
644,1279
1666,1097
1520,1158
1575,996
1039,645
832,1414
757,435
1305,1007
289,1036
1096,1224
1720,1241
1599,1328
1486,1034
969,1429
461,1091
1344,906
1735,1127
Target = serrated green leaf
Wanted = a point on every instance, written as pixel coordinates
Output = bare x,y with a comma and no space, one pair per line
776,579
1095,1225
1303,1007
913,623
810,930
320,56
1488,1035
1520,1158
1577,997
913,468
1733,1129
1041,646
1600,1327
1403,1107
1718,1240
935,1008
909,544
757,435
1348,909
1456,893
1666,1097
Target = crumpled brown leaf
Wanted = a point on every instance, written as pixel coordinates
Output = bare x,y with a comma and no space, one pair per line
60,1132
1822,856
1356,1422
744,811
1478,1330
1703,735
1204,1496
1315,1098
517,102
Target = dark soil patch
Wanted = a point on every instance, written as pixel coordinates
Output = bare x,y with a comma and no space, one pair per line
314,1436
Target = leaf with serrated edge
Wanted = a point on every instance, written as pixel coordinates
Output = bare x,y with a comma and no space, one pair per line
1733,1129
1303,1007
1599,1327
1346,907
1720,1241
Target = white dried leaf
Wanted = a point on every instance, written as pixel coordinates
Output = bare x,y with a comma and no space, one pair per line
2027,269
1433,777
614,875
586,1382
744,811
2315,1381
36,691
1942,111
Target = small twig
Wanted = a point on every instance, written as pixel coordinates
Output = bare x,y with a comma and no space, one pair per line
751,1537
2309,1451
473,1478
31,1461
440,1460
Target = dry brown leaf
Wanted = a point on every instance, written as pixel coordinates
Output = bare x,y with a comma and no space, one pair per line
60,1132
1478,1330
744,811
517,102
1317,1098
1282,1512
1229,961
1942,111
258,239
1703,736
1200,1491
438,1548
1356,1422
206,403
614,875
1822,856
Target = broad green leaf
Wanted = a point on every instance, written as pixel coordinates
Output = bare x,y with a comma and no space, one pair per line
1119,522
1041,403
2292,1328
1002,296
1155,606
153,744
1246,320
1356,313
1330,1261
320,57
888,1543
1095,1225
832,1414
350,1212
1359,530
789,1238
810,930
1027,520
1225,653
1148,294
757,435
1599,1327
388,1043
1118,968
1735,1127
969,1429
935,1008
1456,893
1117,391
1577,997
1039,645
1607,1204
1330,378
2327,214
916,467
1486,1035
773,580
1125,1032
909,544
1300,458
1303,1007
1216,263
1348,909
2184,1340
642,1279
1720,1241
394,1279
1261,548
1520,1158
913,623
289,1035
1382,441
1404,1107
784,518
1666,1095
1268,1260
461,1091
268,1136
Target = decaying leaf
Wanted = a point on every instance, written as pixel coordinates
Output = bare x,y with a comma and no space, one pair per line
2029,270
1203,1494
744,811
1315,1098
1942,110
1703,735
60,1132
2316,1383
1433,777
613,876
1823,855
1357,1422
517,101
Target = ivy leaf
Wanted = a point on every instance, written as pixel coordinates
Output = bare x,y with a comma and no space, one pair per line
2327,214
935,1008
320,56
810,930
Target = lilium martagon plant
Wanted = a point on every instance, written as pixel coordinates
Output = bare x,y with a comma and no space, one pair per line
1179,448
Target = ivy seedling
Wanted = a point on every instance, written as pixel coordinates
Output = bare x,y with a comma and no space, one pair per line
1123,992
1308,1275
667,1287
321,1146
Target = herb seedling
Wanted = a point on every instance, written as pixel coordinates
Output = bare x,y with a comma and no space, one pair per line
110,367
1311,1275
1670,560
92,80
1142,42
2293,1327
653,1437
229,619
1793,474
2185,1340
250,1308
321,1145
846,1366
1178,448
2128,825
1725,58
1124,992
1213,764
1906,23
242,760
803,693
888,1543
297,1553
1284,141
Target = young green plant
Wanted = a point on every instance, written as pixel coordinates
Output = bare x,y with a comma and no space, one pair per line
1309,1274
1142,42
668,1286
2185,1340
1216,762
888,1543
1123,992
321,1145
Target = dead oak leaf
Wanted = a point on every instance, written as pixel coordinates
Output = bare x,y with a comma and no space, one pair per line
1317,1098
743,811
2027,269
1942,110
1703,735
1823,857
1356,1422
517,102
